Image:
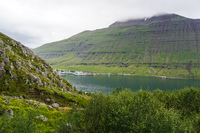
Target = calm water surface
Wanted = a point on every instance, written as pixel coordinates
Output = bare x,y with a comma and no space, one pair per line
108,83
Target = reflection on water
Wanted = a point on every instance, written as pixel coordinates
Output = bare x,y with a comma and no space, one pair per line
108,83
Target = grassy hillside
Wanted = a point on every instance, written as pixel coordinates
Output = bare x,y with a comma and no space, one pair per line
33,97
24,74
162,45
119,111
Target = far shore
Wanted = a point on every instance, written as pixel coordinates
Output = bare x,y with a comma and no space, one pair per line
82,73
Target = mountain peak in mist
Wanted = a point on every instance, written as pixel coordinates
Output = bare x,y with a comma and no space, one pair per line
154,19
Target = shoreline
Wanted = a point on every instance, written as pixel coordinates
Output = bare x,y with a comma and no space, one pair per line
82,73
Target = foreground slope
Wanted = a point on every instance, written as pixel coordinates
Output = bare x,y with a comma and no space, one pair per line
161,45
33,98
26,75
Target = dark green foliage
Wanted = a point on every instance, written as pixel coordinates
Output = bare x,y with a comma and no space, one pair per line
7,67
186,100
66,127
73,119
141,111
81,92
22,122
118,90
6,76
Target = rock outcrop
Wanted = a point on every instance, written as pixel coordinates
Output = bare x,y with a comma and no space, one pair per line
23,73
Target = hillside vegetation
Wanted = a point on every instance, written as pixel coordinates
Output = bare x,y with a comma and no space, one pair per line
162,45
139,112
31,93
119,111
24,74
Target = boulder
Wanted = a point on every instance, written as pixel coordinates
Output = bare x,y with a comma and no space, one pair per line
12,67
44,73
9,49
42,117
61,84
30,102
18,45
25,100
13,43
55,105
10,112
35,79
6,102
48,100
2,70
1,42
43,104
21,97
3,54
35,104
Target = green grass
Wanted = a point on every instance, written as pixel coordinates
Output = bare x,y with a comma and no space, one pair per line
141,111
119,111
53,115
132,44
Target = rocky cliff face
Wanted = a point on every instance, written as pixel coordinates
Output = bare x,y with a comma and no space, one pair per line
23,73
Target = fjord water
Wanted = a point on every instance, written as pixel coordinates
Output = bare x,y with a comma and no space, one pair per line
108,83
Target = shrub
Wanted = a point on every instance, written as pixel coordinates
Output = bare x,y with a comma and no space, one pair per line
126,111
21,122
81,92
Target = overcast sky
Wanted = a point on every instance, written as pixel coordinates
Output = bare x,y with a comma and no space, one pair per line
36,22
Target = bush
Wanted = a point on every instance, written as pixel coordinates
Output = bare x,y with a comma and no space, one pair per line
22,122
81,92
126,111
72,122
186,100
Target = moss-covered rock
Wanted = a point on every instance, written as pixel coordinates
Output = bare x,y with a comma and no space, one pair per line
23,73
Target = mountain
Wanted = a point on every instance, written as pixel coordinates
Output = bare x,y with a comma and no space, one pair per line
164,45
26,75
147,21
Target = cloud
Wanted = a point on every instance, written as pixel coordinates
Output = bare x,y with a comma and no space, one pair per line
35,22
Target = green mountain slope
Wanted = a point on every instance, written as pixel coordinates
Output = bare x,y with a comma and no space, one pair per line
26,75
33,98
161,45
